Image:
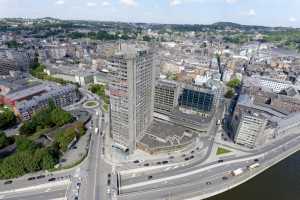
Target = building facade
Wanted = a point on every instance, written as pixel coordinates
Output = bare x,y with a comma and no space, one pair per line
131,94
166,96
13,60
61,96
197,100
251,127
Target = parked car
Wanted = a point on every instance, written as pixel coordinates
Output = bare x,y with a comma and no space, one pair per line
31,178
8,182
41,176
52,179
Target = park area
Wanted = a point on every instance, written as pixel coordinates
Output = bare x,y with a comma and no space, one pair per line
40,142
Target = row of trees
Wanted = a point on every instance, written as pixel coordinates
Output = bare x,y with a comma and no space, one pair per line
37,70
29,157
47,118
100,35
290,39
7,118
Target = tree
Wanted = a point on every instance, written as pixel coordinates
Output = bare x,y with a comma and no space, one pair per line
234,83
7,118
27,161
147,38
229,94
24,144
60,117
4,141
64,137
97,89
28,128
49,117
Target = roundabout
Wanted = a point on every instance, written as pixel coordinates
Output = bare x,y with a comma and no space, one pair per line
91,104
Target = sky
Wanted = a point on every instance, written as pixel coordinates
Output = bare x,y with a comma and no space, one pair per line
250,12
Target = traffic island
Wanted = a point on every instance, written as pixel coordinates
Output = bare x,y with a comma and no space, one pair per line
91,104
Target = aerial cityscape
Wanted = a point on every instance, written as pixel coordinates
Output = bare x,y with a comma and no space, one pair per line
123,106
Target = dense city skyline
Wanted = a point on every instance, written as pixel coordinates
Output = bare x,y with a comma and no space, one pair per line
143,100
267,12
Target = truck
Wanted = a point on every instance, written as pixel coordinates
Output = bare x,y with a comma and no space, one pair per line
253,166
237,172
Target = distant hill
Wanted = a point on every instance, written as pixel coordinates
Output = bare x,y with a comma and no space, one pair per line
154,26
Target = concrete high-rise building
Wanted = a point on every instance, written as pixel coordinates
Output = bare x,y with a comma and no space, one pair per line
131,94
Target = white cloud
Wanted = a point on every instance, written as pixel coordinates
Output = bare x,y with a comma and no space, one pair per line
105,3
91,4
231,1
292,19
128,2
180,2
251,12
59,2
175,2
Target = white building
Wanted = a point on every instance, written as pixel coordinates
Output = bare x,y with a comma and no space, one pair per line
251,127
273,84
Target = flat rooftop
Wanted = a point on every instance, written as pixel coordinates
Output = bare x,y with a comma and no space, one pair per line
162,134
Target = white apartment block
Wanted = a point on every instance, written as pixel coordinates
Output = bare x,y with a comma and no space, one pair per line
250,129
273,84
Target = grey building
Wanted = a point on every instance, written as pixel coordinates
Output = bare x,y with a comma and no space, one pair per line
13,60
166,96
131,94
61,96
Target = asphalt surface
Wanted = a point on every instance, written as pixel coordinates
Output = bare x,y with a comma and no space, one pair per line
182,168
38,194
198,182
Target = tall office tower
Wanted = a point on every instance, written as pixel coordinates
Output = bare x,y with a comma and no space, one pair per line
131,94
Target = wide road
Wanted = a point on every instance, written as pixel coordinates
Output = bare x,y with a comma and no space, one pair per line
94,184
197,164
200,183
38,194
182,167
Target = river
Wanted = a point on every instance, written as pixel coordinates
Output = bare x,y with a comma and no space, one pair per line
280,182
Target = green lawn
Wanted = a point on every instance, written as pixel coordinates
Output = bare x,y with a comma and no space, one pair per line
106,107
221,151
91,103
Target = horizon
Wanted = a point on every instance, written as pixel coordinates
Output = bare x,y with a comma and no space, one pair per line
141,22
203,12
